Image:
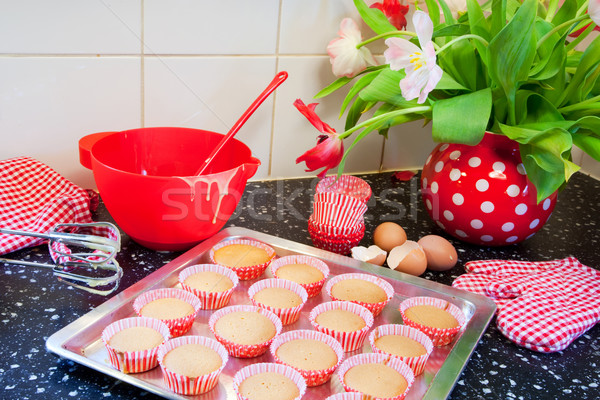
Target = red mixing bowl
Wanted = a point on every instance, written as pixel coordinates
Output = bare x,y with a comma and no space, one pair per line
146,180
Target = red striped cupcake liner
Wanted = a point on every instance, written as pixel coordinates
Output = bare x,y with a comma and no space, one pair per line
287,315
131,362
337,209
312,377
259,368
244,350
338,246
312,289
375,308
336,231
178,326
417,364
187,385
252,271
439,337
350,341
210,300
370,358
347,396
349,185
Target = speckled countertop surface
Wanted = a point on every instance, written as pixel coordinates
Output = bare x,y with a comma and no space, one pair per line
34,305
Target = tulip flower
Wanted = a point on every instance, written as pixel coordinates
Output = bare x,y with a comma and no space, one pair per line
394,11
594,11
329,149
422,72
346,59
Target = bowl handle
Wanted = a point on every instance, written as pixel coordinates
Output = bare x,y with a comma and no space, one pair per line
85,147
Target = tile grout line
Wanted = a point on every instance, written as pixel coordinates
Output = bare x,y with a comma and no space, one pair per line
270,165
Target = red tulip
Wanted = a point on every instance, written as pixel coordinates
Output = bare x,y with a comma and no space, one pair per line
394,11
329,149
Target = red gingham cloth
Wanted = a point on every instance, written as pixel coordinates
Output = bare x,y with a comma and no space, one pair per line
543,306
34,198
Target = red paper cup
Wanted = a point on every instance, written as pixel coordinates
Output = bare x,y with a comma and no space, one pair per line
131,362
375,308
336,231
346,184
347,396
287,315
249,272
259,368
350,341
210,300
186,385
244,350
312,377
439,337
312,289
369,358
178,326
339,245
417,364
337,209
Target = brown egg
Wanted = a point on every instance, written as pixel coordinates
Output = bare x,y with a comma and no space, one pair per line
441,255
389,235
408,258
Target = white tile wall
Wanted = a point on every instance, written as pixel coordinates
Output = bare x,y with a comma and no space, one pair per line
73,67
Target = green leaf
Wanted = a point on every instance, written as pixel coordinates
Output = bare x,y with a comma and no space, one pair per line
551,54
498,16
565,12
534,108
478,25
512,52
374,18
451,31
358,86
448,18
580,85
448,83
358,108
434,11
462,119
588,142
461,62
386,88
340,82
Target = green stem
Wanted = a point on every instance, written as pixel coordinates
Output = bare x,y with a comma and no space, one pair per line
470,36
381,117
579,38
560,27
580,105
384,35
552,7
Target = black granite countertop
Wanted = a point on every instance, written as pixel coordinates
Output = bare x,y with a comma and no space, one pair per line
34,304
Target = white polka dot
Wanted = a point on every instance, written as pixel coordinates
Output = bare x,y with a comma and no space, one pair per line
455,174
511,239
482,185
498,166
438,166
521,209
434,187
448,214
546,204
476,224
534,223
521,169
454,155
444,147
458,199
424,183
460,233
428,159
474,162
513,190
487,207
440,224
428,203
507,227
487,238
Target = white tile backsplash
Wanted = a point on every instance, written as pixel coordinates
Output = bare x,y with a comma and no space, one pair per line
210,27
73,67
48,104
70,26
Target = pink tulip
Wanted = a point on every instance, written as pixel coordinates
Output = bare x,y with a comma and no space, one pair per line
345,58
394,11
422,72
329,149
594,11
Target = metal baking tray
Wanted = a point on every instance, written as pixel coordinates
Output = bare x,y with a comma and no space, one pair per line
80,341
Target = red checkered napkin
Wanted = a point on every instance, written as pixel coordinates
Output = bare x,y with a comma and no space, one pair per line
543,306
34,198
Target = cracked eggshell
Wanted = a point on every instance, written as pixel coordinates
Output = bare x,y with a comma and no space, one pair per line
408,258
373,254
441,255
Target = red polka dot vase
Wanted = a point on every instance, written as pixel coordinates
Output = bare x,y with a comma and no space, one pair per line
481,194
